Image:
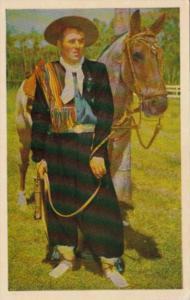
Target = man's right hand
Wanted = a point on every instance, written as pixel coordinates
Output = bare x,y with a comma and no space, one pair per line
98,167
41,168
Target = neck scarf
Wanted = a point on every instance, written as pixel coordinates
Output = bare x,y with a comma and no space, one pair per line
68,92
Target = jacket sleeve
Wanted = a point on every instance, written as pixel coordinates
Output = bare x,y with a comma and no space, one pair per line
40,124
104,110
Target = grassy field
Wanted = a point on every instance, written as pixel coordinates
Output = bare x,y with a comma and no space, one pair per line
153,239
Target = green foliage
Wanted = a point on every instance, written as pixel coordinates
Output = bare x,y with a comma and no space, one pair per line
23,52
105,38
26,49
152,241
169,40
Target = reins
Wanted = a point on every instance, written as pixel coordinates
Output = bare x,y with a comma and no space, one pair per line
154,47
69,215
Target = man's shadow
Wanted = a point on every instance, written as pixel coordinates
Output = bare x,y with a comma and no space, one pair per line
144,245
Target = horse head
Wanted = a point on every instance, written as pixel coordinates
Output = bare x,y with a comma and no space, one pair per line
142,65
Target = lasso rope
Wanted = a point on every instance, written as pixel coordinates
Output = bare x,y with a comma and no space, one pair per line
91,198
48,192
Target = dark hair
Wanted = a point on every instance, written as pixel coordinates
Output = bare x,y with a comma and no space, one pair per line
61,36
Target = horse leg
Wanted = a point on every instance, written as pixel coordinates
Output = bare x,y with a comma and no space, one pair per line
120,158
23,127
23,166
24,134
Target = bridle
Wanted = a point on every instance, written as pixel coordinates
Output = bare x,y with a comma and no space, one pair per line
154,48
128,116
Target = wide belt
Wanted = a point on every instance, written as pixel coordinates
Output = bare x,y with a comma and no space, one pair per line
78,128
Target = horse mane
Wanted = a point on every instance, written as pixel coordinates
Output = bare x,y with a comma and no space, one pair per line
111,57
113,42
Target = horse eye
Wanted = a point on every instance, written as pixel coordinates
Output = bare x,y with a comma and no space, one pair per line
138,56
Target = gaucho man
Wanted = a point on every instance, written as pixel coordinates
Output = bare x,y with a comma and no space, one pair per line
72,114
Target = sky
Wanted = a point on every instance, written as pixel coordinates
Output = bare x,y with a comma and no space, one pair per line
24,20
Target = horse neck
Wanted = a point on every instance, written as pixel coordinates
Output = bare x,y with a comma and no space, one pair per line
122,95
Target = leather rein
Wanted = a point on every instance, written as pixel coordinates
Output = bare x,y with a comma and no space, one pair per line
128,114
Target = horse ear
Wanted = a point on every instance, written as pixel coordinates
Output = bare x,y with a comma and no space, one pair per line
135,23
157,25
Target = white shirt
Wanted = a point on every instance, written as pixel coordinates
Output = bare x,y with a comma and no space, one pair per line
68,91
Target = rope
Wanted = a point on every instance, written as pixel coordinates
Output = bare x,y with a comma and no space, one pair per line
91,198
155,133
133,126
48,192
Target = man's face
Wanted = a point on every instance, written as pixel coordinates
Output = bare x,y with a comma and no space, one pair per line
72,45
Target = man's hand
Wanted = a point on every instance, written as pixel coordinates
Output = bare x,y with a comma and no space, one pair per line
98,167
41,168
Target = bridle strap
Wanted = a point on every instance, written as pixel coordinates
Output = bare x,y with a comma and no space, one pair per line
155,133
141,38
128,115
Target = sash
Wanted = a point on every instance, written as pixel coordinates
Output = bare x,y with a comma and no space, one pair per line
63,116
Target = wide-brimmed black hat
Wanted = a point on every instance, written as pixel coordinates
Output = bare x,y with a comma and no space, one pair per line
54,30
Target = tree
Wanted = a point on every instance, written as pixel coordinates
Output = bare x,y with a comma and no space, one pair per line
24,50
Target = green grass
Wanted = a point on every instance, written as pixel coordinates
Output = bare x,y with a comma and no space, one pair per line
153,239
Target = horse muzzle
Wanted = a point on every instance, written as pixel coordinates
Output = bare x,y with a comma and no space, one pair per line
155,106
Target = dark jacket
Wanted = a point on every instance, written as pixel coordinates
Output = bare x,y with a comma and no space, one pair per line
71,179
96,90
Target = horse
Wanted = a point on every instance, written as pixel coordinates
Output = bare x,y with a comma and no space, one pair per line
134,62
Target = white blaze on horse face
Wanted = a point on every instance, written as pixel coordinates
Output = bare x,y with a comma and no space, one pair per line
72,45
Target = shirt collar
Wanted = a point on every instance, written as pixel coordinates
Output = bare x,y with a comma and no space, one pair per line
72,68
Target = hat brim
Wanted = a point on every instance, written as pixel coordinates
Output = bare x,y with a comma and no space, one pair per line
54,30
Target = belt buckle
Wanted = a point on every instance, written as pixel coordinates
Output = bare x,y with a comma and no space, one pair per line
78,128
